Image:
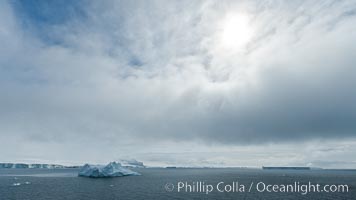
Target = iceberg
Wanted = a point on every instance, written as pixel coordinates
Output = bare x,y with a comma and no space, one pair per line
132,163
32,166
113,169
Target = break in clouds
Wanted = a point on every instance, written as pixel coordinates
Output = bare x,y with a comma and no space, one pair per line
134,73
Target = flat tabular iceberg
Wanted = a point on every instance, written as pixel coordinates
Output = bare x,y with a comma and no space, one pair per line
113,169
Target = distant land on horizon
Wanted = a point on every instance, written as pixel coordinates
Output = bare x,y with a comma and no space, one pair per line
33,166
19,165
136,164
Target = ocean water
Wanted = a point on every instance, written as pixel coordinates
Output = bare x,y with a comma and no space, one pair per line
61,184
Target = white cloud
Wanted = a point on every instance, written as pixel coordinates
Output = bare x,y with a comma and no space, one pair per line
155,72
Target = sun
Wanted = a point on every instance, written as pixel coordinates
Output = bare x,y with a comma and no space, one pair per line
236,31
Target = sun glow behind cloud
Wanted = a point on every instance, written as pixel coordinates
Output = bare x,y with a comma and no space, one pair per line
126,77
236,31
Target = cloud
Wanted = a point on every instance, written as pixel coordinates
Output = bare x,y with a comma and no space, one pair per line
123,72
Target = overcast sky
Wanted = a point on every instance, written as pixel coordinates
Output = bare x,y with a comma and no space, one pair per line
186,83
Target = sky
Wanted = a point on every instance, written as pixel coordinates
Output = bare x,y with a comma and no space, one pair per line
179,83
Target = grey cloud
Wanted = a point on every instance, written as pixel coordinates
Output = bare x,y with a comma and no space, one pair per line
151,71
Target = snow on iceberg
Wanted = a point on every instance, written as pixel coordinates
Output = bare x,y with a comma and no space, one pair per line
112,169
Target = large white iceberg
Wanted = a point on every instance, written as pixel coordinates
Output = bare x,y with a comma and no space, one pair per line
112,169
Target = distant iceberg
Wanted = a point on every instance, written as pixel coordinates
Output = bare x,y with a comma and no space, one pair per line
112,169
132,163
32,166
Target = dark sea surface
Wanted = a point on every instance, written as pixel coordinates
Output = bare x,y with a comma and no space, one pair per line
61,184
